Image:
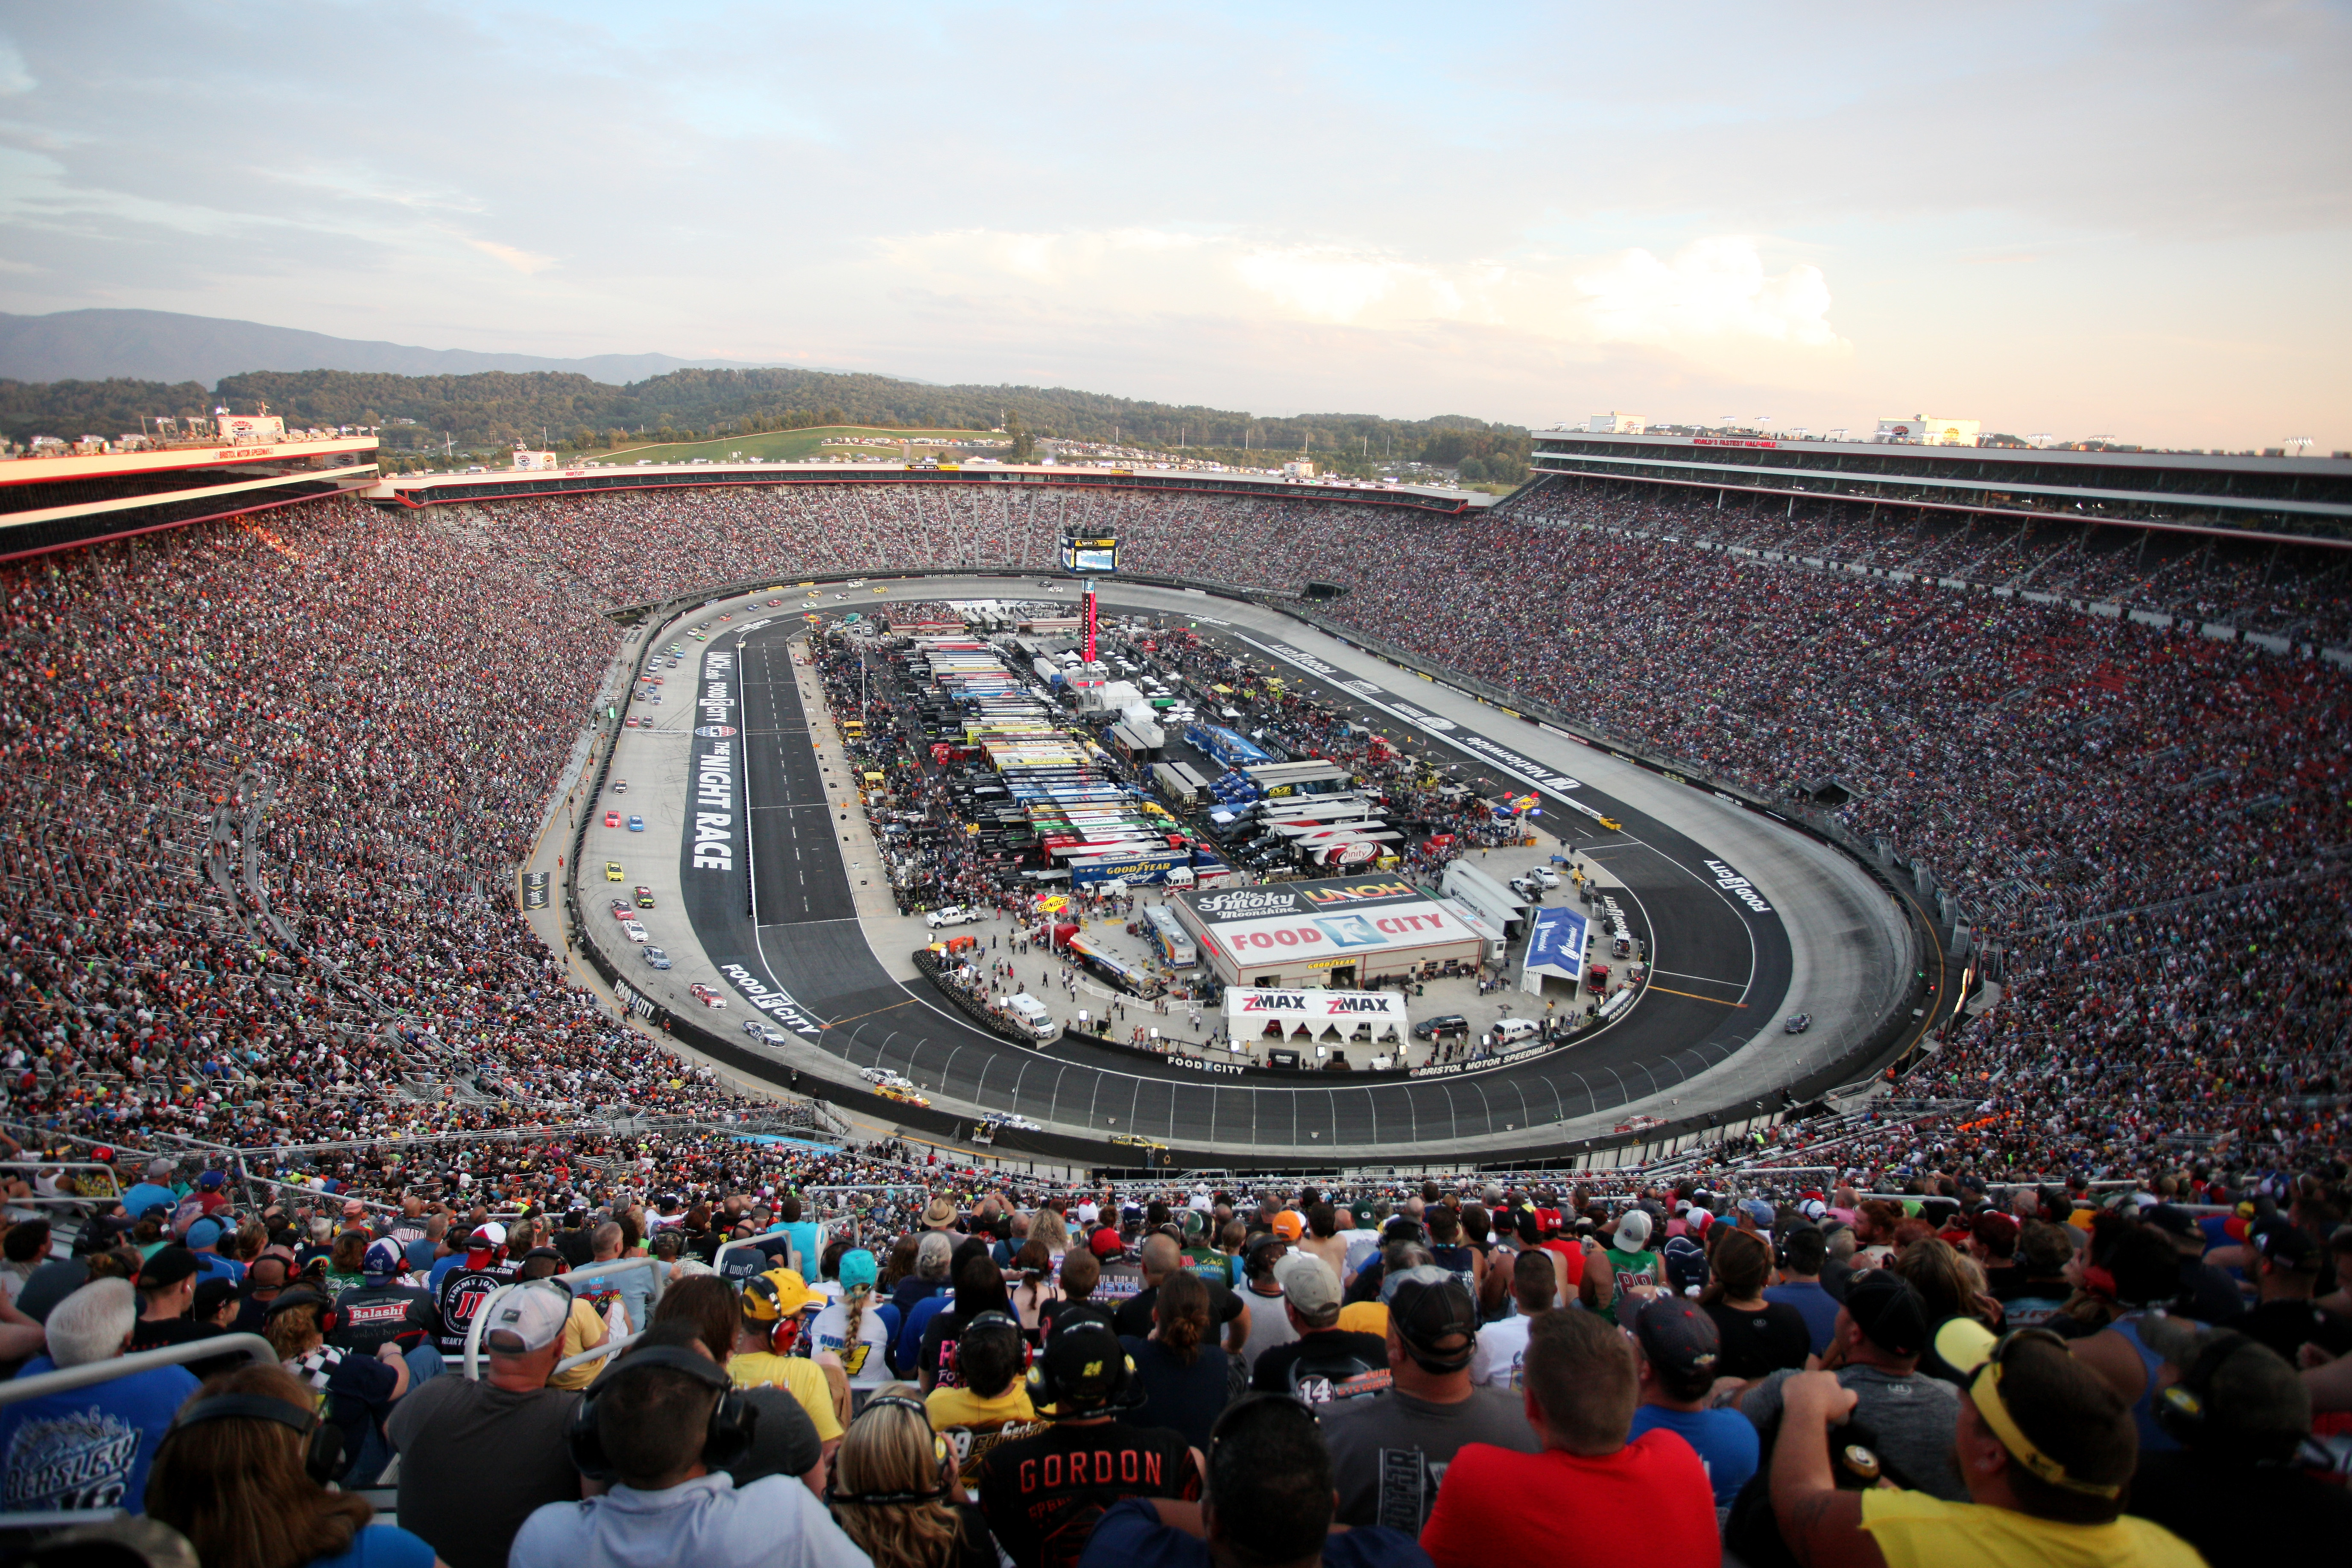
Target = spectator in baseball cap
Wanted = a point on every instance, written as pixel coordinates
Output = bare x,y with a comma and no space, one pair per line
2242,1416
1648,1498
1323,1362
1680,1351
1634,1268
2286,1278
1875,1346
2046,1446
2205,1293
1389,1449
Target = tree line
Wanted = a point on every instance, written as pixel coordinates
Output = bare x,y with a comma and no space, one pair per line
501,407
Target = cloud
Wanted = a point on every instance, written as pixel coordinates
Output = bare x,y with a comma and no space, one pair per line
522,261
1713,289
1713,295
16,77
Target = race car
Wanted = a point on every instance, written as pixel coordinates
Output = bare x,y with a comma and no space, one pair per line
952,915
653,956
903,1095
621,910
612,871
1799,1023
612,820
634,932
1007,1118
759,1031
636,825
883,1075
708,995
620,786
645,898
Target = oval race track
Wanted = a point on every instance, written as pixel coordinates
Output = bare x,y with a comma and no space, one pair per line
1723,971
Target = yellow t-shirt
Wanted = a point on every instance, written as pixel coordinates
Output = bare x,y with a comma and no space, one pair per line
1916,1531
803,1379
1365,1318
582,1329
962,1407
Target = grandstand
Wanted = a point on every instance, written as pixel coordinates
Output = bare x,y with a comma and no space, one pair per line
270,780
2066,717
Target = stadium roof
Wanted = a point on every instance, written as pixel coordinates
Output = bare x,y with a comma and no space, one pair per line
59,502
589,478
2304,500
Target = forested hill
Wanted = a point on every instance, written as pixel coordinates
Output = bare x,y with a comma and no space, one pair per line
498,407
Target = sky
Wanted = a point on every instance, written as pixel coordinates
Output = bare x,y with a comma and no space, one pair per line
2131,219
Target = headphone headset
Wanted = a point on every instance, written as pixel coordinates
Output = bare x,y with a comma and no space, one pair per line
942,1454
302,1295
726,1440
1045,1389
323,1441
2181,1410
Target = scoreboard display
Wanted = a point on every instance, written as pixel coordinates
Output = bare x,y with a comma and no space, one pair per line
1089,550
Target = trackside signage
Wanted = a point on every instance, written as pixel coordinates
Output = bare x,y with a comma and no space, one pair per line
717,748
1738,886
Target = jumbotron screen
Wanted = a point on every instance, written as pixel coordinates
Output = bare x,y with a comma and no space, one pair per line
1095,552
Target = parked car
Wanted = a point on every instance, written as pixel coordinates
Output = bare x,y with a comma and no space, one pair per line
1544,876
1443,1023
952,915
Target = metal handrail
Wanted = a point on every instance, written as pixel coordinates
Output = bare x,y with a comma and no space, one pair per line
64,1380
473,1362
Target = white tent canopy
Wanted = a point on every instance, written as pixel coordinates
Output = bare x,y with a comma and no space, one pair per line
1314,1016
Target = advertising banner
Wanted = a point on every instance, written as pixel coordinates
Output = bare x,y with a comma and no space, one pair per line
1249,1013
1555,946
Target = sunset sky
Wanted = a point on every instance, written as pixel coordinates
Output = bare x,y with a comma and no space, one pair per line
2123,219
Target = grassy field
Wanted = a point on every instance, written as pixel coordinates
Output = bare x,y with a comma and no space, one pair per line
795,446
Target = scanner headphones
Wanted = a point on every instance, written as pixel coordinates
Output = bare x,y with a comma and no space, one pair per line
2184,1410
726,1440
1047,1390
943,1455
323,1441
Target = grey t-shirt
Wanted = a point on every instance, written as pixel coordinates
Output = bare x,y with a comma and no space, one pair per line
1389,1451
1915,1418
475,1461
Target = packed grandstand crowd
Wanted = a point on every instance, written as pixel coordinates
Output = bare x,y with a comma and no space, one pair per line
267,784
737,1372
269,781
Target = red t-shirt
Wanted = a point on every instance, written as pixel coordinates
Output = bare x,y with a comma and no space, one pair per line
1495,1506
1571,1263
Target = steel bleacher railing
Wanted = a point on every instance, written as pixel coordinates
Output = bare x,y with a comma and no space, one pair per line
64,1380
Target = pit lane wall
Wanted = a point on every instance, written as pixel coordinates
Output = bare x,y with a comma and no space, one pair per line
1897,1041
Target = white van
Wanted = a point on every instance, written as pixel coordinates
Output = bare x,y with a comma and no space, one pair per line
1030,1014
1516,1031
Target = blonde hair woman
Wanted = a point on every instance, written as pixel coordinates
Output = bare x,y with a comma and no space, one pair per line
893,1489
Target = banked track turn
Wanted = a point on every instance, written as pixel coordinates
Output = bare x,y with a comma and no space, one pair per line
809,950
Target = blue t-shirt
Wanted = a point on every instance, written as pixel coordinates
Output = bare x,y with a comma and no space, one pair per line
1815,1305
87,1448
1129,1535
213,1265
380,1546
146,1196
804,1233
1725,1441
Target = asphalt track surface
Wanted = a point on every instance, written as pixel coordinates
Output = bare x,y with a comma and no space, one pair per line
1720,971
